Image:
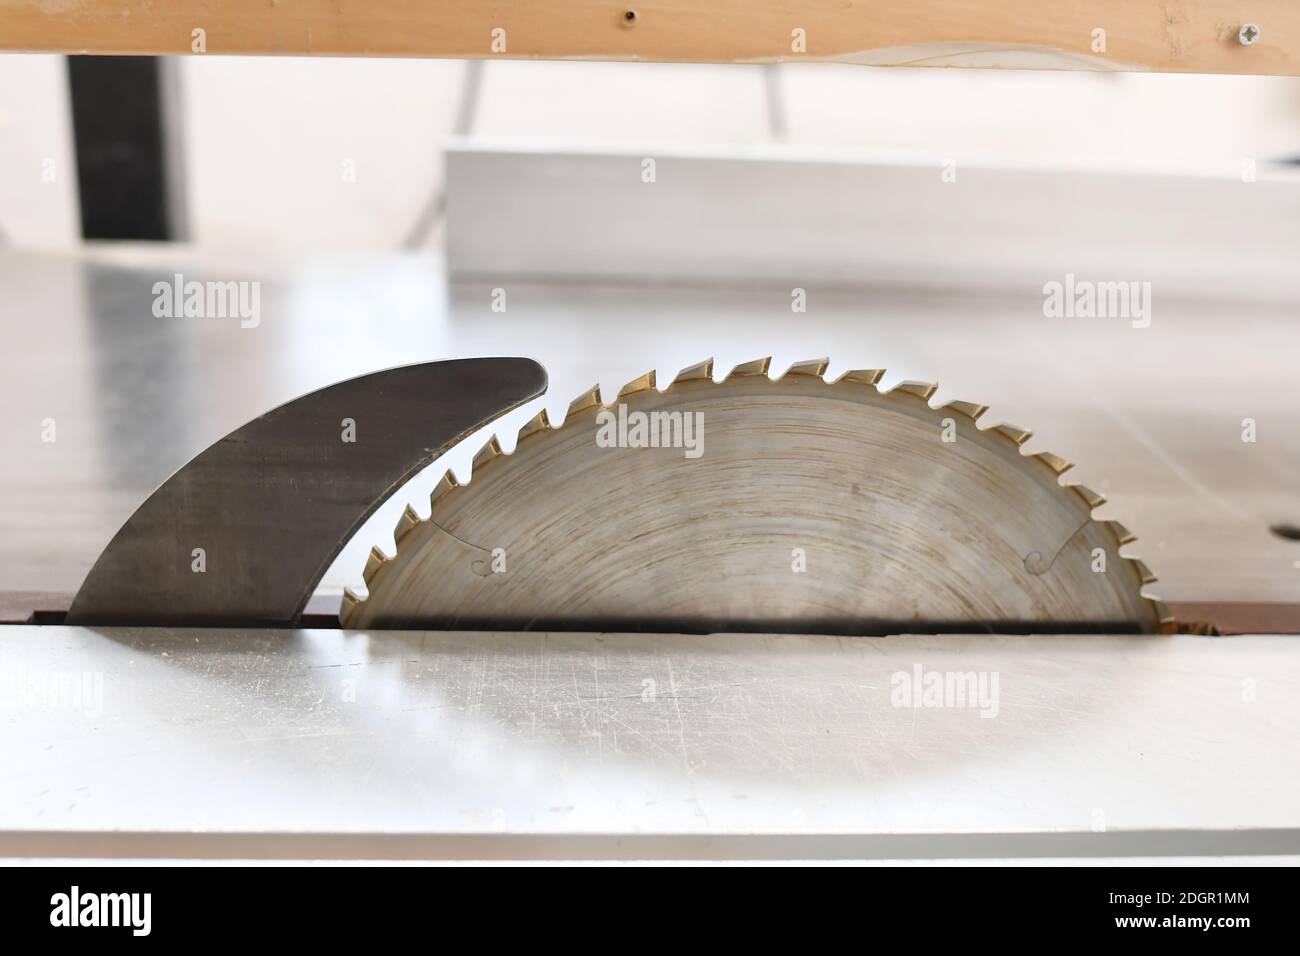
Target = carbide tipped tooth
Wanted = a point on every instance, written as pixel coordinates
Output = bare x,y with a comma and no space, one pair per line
1143,572
485,454
349,603
1168,623
698,372
1014,432
1093,499
445,484
538,423
405,523
1122,534
756,367
1054,462
588,399
969,409
414,570
922,390
642,384
865,376
373,563
813,367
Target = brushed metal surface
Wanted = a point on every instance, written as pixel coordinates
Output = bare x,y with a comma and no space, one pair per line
1209,847
1099,744
1153,417
244,532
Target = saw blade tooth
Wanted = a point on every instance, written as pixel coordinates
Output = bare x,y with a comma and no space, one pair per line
1014,432
811,367
922,390
445,484
1093,499
1168,623
754,368
588,399
864,376
643,384
485,454
698,372
538,423
349,603
1054,462
970,409
410,561
373,563
1122,534
405,523
1143,572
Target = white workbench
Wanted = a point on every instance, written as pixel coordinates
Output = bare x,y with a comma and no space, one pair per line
207,743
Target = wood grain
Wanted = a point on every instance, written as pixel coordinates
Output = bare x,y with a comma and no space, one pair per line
1196,36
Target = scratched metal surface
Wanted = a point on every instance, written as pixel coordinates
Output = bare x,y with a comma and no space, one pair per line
499,734
1152,416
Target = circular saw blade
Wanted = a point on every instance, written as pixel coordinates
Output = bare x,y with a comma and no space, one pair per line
795,505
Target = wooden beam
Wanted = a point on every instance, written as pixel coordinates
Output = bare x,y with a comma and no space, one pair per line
1192,36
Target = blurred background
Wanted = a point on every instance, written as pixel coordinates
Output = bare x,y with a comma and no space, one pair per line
288,154
608,218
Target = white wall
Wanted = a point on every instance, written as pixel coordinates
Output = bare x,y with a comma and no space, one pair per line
266,139
1140,119
268,136
38,170
305,154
